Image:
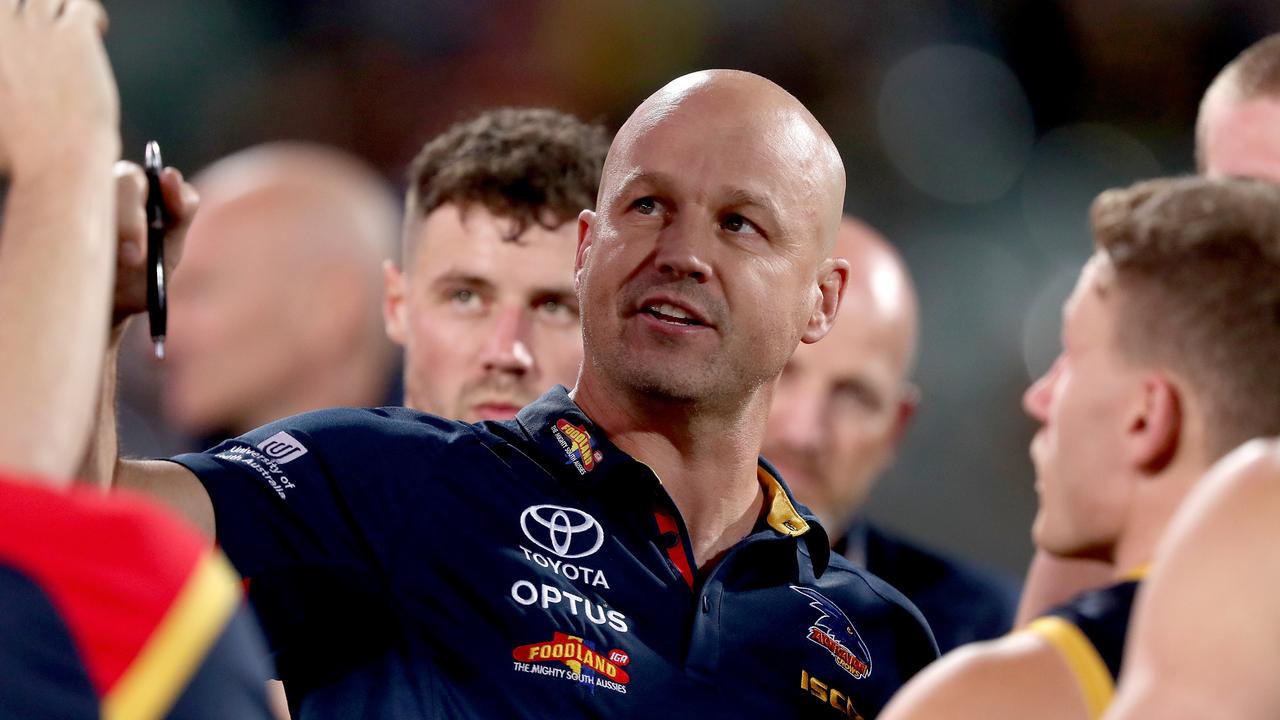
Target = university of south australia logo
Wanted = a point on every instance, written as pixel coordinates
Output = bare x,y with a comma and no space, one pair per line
282,448
835,633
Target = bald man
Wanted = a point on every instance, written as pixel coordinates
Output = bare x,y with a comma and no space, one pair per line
839,412
1224,535
276,308
610,552
1236,130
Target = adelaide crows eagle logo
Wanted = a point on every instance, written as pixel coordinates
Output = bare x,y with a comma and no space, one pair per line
835,633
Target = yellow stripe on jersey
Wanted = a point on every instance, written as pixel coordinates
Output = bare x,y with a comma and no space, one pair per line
151,684
1138,573
1090,671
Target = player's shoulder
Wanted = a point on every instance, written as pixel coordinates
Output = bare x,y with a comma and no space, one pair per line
82,527
169,591
1018,675
1238,497
362,433
1252,468
386,422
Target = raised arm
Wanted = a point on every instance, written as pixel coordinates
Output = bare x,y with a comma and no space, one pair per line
168,482
59,134
1052,580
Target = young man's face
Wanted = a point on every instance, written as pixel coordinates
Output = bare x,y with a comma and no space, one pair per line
1082,404
487,323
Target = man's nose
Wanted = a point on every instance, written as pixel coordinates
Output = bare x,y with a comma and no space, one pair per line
507,348
682,250
1037,399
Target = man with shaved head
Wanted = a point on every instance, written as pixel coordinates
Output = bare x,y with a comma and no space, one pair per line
1236,129
618,550
839,412
276,307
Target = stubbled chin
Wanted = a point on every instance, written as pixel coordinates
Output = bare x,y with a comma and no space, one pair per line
794,479
492,413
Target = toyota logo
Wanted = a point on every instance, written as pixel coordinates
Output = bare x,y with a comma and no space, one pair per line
564,531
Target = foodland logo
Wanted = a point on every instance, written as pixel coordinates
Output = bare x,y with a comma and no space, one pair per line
577,445
582,660
564,531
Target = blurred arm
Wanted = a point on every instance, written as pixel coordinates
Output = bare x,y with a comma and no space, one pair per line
59,134
168,482
1018,676
1205,639
1052,581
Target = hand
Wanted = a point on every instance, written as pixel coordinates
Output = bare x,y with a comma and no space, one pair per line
58,97
180,201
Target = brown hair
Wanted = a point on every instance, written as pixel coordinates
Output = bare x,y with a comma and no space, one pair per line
1197,265
532,165
1254,73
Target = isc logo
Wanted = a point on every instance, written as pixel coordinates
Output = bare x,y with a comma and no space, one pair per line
829,695
282,448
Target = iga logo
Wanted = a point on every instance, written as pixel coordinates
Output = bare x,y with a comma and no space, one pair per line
835,633
282,447
564,531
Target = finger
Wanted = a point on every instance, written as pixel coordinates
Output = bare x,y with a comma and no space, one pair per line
181,203
180,199
131,213
89,12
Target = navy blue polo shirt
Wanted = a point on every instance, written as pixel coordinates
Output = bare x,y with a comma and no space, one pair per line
403,565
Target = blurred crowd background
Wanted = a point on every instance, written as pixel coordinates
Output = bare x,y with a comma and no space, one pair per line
974,133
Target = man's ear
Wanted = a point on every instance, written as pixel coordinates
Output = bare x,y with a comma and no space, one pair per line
833,279
907,404
393,302
586,236
1155,429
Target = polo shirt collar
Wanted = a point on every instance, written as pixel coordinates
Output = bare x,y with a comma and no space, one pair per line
563,433
786,516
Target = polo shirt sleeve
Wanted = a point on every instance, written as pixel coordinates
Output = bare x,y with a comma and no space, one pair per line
306,509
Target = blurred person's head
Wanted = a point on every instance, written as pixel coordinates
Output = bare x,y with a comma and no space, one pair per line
1238,128
483,300
275,309
1170,347
841,405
